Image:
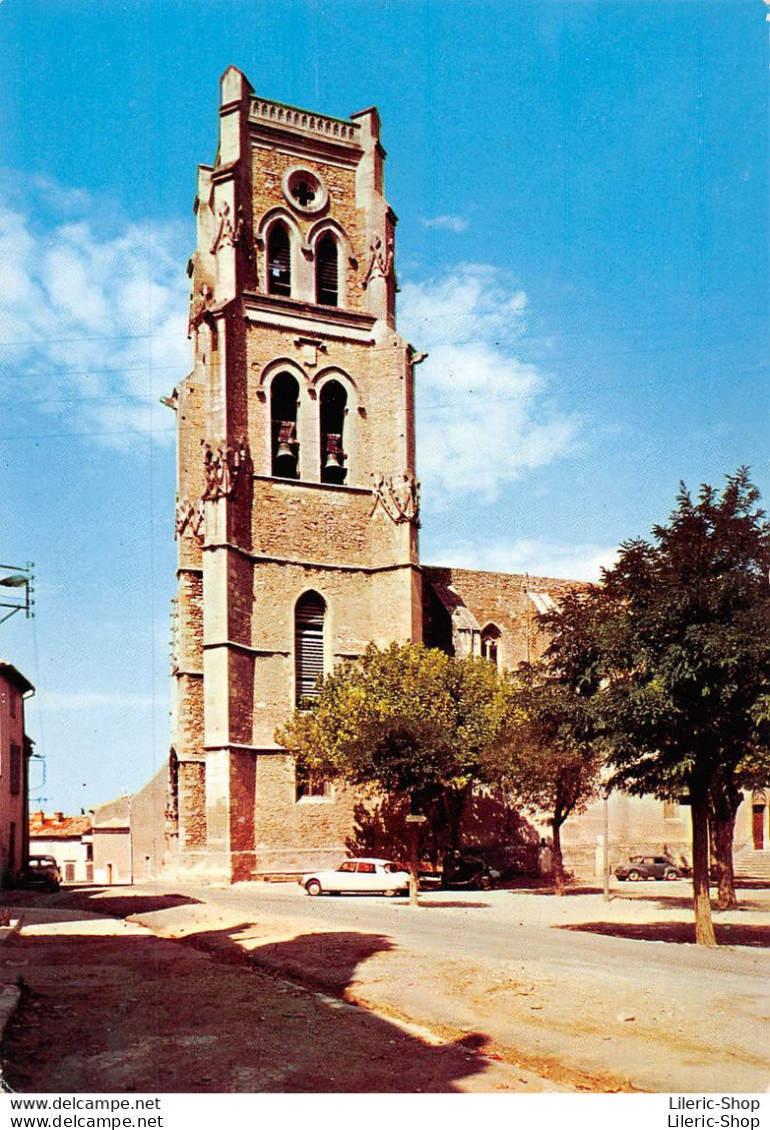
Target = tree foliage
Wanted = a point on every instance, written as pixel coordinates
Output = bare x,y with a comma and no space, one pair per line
405,719
675,647
551,753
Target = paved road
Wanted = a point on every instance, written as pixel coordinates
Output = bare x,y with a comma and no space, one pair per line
660,1016
496,925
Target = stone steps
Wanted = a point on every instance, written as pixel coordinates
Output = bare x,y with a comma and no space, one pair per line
752,864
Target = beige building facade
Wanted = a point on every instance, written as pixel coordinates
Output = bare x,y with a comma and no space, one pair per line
297,508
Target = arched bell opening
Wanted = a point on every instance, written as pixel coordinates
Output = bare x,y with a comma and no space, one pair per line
334,401
284,401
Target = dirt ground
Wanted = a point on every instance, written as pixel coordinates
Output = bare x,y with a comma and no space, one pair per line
109,1007
207,1001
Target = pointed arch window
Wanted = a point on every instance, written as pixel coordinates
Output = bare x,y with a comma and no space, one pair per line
284,400
327,271
490,644
309,617
334,401
279,261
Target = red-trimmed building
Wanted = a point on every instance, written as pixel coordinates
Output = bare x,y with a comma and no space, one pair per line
15,752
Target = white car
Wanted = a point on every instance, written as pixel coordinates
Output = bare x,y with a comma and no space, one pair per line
358,875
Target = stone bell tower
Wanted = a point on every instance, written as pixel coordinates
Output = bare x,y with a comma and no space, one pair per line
297,505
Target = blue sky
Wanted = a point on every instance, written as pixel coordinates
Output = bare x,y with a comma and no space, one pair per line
582,192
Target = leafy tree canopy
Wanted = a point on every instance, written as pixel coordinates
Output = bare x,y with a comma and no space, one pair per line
683,630
405,719
674,647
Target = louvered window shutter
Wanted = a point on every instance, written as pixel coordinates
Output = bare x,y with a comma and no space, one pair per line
279,262
326,272
309,645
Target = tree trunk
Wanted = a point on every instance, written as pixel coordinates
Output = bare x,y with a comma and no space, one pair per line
722,830
704,927
724,803
414,855
558,863
455,800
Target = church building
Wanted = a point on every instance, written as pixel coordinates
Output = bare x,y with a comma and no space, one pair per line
298,506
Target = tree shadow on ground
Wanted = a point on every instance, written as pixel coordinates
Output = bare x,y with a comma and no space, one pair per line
110,901
139,1013
537,887
681,933
107,901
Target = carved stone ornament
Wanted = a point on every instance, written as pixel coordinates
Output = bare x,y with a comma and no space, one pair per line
380,262
228,233
174,641
189,516
399,497
222,468
199,305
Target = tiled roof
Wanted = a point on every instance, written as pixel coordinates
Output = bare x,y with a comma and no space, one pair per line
57,826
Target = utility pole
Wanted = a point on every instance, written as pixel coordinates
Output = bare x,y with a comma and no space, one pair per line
18,578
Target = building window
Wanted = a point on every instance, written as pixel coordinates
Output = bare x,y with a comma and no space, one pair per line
309,645
279,261
490,644
15,783
326,271
284,402
670,809
12,701
333,411
69,871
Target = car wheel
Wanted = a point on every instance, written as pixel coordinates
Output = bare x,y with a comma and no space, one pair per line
313,887
671,874
391,894
485,883
634,876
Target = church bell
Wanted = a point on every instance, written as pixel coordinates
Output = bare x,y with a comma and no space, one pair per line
333,464
286,448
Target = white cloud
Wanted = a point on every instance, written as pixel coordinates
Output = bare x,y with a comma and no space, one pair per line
92,321
523,555
446,223
485,417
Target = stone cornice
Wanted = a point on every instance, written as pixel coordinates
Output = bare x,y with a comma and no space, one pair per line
305,484
302,563
307,318
241,747
245,647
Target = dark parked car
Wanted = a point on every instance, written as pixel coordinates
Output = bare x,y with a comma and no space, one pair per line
647,867
41,873
460,870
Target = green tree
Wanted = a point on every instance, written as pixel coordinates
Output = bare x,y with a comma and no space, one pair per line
550,757
405,719
675,647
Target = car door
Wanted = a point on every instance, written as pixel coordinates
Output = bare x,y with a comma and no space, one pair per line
367,877
345,876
